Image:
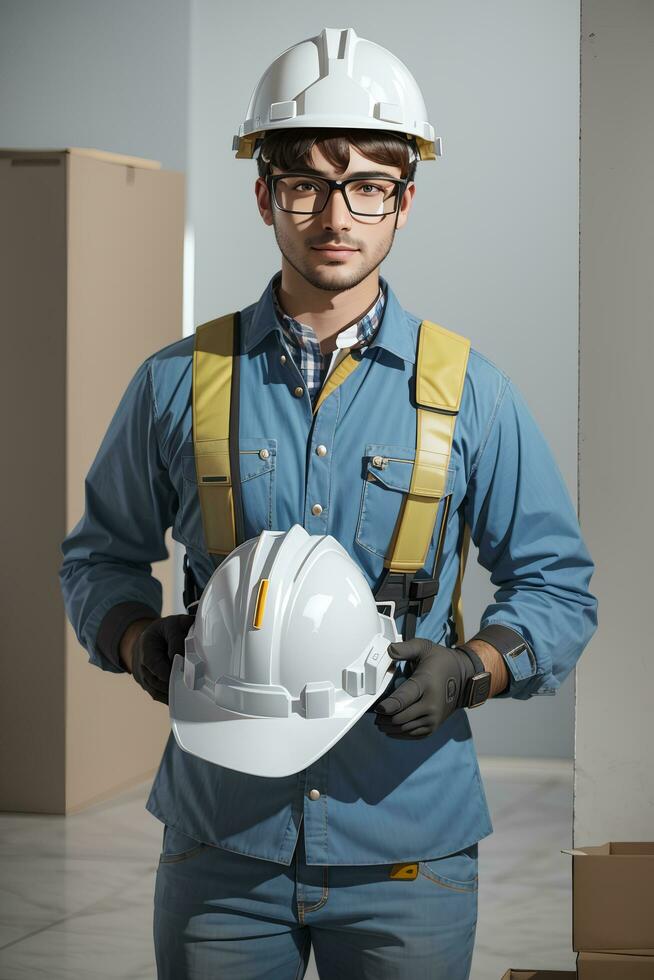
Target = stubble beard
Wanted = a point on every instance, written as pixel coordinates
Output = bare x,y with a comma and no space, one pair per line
334,278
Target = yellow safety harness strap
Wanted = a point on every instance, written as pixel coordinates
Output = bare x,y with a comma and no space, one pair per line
342,370
212,387
441,370
440,375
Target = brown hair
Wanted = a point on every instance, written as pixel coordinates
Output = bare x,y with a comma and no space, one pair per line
290,149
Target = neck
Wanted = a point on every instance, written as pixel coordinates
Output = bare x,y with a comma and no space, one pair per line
325,310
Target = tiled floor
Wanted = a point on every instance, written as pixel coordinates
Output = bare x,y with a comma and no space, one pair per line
76,892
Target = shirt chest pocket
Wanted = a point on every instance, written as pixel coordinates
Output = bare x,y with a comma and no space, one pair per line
257,463
387,471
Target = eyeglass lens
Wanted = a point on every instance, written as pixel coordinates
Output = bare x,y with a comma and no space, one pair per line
308,195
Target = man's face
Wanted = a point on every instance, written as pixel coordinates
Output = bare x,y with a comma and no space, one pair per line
301,236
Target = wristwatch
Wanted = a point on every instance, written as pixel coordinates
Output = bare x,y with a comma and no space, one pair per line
479,684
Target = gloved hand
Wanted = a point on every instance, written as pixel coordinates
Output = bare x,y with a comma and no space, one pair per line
154,650
435,689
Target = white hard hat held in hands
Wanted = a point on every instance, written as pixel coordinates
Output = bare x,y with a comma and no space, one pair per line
287,651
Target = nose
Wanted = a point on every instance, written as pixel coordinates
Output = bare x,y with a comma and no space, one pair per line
336,213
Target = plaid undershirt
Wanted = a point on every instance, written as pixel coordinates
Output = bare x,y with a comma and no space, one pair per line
305,346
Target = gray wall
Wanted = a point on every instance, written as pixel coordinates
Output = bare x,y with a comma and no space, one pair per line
614,776
109,75
491,247
90,73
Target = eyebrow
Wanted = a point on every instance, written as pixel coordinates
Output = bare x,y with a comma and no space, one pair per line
359,173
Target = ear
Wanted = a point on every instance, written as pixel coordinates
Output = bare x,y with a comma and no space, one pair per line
405,206
263,200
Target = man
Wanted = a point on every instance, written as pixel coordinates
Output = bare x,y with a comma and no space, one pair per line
370,854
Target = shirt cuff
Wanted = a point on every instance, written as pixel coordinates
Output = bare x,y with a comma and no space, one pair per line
114,625
516,653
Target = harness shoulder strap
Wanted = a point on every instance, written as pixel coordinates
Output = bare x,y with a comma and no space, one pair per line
446,364
440,375
215,431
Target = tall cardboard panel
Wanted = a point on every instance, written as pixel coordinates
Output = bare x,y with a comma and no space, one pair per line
91,250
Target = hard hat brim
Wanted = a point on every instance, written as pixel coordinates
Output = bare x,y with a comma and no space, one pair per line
259,746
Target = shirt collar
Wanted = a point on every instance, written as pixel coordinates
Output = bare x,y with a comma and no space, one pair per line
359,333
396,333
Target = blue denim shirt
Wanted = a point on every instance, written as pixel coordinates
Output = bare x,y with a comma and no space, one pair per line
381,800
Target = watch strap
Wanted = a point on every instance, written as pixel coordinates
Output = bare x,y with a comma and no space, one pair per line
505,639
478,687
477,662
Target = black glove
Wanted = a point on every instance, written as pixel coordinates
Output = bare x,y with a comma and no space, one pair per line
435,689
153,652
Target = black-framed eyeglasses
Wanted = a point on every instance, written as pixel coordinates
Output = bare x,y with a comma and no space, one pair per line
366,195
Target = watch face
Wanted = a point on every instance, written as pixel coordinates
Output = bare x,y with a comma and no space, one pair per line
479,689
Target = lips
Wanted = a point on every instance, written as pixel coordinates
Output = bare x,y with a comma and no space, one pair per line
334,253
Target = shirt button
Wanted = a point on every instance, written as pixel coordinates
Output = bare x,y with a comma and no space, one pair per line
321,450
316,509
314,794
264,454
298,392
283,358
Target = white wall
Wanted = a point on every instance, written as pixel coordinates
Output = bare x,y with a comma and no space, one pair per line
491,247
614,775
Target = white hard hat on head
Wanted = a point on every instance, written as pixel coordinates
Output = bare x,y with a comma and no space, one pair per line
342,81
287,651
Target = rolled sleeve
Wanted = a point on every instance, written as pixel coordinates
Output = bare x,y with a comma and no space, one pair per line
105,576
524,524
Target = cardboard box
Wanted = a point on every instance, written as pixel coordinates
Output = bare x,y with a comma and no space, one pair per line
91,252
613,897
615,966
539,974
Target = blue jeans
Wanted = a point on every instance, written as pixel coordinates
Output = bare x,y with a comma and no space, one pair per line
221,914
